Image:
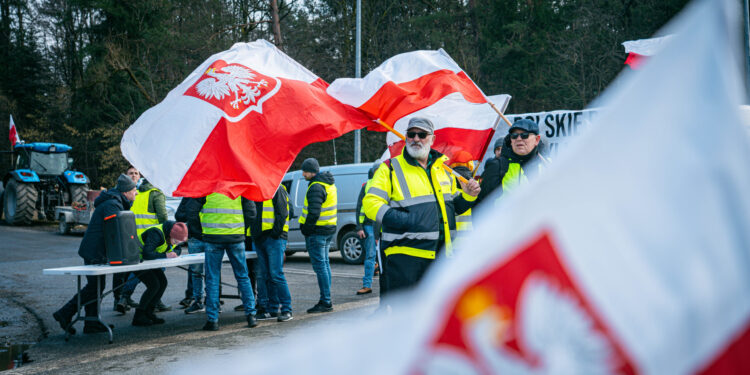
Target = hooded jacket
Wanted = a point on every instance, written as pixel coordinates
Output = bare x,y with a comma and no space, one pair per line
108,203
495,168
316,195
358,209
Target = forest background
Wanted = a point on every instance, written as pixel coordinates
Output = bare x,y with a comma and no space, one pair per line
81,71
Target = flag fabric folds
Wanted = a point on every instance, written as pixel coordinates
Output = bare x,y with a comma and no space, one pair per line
642,267
424,84
640,50
13,133
235,125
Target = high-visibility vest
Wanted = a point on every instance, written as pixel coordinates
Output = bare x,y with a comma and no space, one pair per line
221,215
144,218
403,185
514,178
163,247
362,209
463,222
328,210
267,216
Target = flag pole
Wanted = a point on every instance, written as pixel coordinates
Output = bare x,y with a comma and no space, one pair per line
499,113
447,168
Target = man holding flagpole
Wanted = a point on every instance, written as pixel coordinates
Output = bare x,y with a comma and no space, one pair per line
416,200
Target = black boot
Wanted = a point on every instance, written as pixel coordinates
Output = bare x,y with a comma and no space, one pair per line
141,318
155,319
64,322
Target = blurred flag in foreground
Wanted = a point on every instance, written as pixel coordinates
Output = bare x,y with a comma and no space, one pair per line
425,84
643,267
639,50
236,124
13,133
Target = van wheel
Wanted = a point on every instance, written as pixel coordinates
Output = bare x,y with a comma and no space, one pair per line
351,248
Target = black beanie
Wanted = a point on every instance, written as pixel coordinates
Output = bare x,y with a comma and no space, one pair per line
310,165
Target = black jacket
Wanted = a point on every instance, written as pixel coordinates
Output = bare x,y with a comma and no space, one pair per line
495,168
280,211
316,195
194,226
153,239
108,203
192,213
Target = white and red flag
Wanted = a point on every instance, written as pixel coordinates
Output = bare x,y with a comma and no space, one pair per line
236,124
640,50
424,84
643,267
13,133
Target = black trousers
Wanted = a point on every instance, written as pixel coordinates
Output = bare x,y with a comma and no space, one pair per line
404,271
88,297
156,284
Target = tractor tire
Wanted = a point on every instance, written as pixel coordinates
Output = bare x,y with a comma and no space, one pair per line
78,193
19,203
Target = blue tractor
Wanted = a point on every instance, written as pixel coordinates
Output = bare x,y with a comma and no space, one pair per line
41,180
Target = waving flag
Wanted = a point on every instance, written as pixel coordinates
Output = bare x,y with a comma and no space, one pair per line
642,268
424,84
236,124
13,133
639,50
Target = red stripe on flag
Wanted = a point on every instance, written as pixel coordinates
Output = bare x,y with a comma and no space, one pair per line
735,358
635,60
394,101
451,141
250,157
13,135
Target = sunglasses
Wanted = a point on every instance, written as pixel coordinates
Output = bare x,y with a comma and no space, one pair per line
524,135
421,135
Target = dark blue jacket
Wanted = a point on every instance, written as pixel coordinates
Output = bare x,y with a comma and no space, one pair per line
108,203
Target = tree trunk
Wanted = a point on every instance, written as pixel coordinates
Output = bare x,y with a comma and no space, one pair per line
276,26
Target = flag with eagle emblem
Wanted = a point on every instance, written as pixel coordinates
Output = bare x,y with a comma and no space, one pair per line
235,125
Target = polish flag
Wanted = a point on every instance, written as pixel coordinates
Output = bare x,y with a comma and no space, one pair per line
616,259
424,84
235,125
640,50
13,133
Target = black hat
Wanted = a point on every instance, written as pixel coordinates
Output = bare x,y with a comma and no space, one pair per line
525,125
310,165
124,184
498,143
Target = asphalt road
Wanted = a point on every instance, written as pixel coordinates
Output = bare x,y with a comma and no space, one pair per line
29,298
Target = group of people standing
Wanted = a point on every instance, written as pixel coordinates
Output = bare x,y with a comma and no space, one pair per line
411,211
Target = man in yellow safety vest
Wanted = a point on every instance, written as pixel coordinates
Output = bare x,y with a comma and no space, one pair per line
318,225
415,199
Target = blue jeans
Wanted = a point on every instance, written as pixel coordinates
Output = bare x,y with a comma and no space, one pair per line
318,246
196,246
129,288
369,247
272,286
236,254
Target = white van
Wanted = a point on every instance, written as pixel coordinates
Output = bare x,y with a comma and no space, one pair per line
348,179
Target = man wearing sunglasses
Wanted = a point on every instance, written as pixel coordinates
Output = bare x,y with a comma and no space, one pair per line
416,202
524,158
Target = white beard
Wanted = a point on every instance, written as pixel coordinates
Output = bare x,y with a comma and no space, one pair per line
417,152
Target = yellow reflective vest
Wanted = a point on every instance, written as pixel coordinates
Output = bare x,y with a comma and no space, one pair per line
163,248
463,223
267,216
407,187
144,218
221,215
362,209
328,212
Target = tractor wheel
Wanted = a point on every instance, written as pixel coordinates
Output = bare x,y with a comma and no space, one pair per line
78,193
19,202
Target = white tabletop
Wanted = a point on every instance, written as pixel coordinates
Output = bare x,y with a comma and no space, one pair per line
105,269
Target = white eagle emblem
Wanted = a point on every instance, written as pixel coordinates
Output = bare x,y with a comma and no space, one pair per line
231,79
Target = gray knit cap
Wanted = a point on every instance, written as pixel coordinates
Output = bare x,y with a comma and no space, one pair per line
310,165
124,184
